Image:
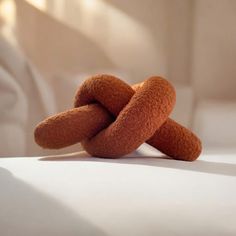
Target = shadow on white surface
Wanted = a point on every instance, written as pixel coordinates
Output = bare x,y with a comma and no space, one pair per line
160,160
26,212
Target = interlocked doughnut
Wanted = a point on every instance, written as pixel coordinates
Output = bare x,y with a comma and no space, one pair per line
112,119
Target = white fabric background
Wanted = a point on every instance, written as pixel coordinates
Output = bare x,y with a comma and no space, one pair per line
25,99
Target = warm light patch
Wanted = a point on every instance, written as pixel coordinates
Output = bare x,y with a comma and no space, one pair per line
40,4
7,11
89,3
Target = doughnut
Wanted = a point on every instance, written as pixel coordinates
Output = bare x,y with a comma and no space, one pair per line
111,119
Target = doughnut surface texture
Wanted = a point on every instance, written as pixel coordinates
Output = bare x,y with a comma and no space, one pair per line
112,119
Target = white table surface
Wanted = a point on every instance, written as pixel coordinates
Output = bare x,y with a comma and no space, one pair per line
141,195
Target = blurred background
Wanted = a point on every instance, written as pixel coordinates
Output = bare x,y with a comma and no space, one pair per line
48,47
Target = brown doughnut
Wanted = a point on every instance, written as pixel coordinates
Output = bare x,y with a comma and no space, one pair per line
144,115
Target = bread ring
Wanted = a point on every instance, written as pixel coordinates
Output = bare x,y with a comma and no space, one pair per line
141,116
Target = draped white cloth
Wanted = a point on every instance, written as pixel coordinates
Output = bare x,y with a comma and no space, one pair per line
25,99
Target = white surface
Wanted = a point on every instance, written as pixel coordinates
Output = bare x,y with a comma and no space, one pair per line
78,195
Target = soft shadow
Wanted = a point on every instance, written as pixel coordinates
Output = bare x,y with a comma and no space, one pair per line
158,161
74,53
26,212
